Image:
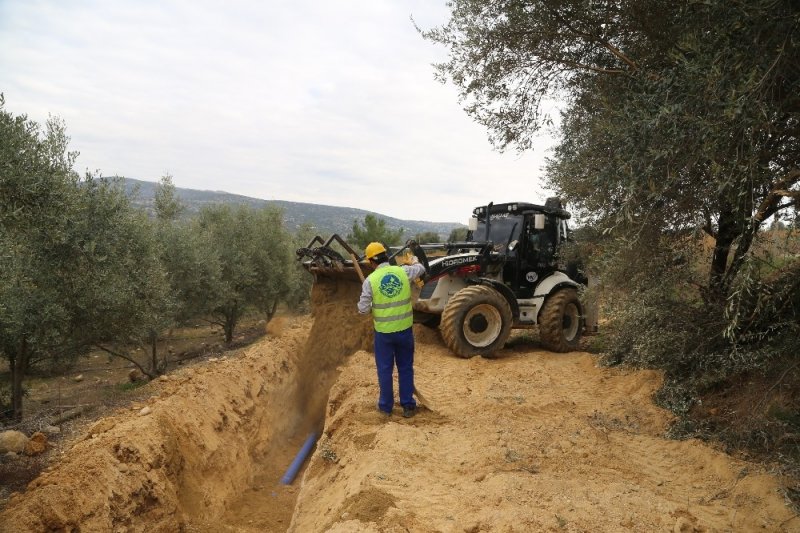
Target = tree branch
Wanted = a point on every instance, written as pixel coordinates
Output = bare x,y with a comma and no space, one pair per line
768,207
582,66
127,358
781,189
625,59
596,38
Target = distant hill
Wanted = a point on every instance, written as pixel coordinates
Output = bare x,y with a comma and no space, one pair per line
326,219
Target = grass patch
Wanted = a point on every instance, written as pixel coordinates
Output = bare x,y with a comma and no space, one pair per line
131,385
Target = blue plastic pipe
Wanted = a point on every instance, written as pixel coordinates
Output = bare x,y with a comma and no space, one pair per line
291,472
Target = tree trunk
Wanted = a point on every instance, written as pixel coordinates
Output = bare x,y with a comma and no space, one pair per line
231,318
272,310
726,235
745,242
154,367
19,367
230,326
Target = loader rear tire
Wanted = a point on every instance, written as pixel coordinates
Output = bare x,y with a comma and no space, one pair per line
560,322
476,321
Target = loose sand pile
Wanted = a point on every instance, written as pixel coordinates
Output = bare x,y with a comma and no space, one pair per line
338,331
184,462
531,441
217,438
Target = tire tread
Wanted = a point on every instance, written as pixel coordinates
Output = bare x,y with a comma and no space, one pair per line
551,323
454,312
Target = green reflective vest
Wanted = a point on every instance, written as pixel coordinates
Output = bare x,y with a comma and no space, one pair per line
391,299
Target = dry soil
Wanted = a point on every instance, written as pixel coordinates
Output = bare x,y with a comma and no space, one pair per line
529,441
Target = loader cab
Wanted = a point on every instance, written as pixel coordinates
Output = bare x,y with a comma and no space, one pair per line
527,235
504,231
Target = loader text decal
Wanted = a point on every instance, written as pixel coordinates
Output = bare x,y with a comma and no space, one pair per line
390,285
459,261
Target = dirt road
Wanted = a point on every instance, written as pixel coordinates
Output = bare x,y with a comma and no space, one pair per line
530,441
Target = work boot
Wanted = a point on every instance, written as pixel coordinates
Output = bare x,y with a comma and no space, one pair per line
408,412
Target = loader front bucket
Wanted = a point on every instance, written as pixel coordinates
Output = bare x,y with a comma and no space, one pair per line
324,261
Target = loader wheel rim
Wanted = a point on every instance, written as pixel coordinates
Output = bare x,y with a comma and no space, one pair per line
482,325
571,321
478,323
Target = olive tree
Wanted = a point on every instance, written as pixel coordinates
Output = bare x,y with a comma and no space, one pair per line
125,289
167,204
427,237
38,190
194,274
677,143
299,292
77,263
254,255
457,235
373,230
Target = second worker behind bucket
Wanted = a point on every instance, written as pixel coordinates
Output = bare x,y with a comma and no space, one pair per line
387,293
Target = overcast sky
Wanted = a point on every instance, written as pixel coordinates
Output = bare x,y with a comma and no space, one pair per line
326,102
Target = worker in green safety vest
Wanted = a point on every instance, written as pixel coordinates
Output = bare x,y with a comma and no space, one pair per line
387,293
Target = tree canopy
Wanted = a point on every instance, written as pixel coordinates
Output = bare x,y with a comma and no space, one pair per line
78,265
427,237
458,235
37,190
253,252
167,205
679,123
373,230
81,268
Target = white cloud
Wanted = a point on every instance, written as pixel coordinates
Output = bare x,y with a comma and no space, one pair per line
322,102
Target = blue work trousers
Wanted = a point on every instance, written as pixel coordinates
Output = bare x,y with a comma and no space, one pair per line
395,349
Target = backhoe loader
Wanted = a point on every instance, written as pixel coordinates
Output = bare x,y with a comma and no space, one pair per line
508,273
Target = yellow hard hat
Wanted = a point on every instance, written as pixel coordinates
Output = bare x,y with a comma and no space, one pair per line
373,249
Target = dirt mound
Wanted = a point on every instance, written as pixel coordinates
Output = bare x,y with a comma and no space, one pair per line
213,442
211,433
338,331
531,441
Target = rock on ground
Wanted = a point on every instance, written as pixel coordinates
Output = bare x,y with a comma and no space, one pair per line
12,441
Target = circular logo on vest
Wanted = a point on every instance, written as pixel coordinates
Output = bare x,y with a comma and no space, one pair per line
390,285
531,277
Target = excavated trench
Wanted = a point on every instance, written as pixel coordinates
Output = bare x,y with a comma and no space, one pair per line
527,441
207,451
